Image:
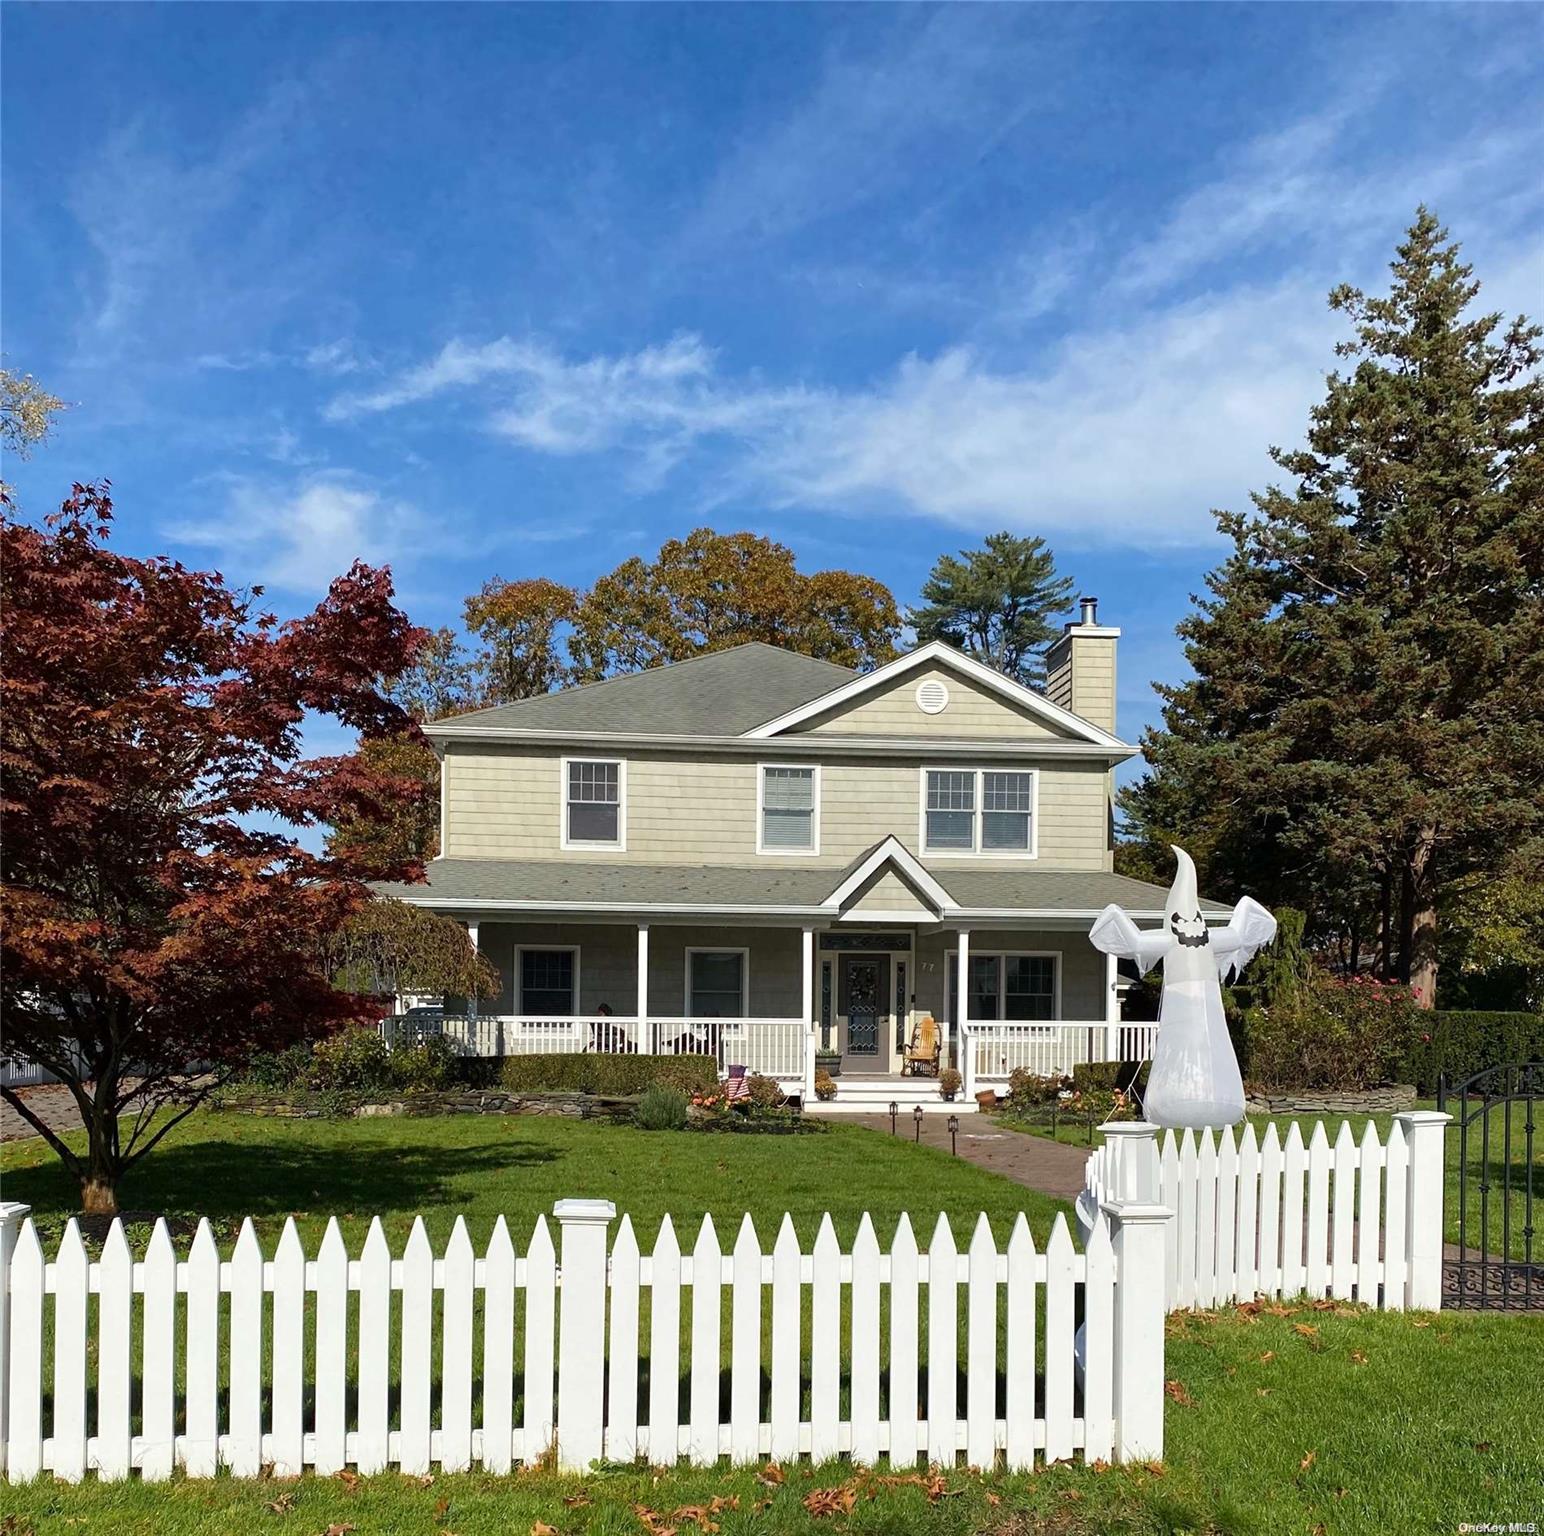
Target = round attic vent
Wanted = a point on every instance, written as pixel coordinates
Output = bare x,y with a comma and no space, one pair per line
932,697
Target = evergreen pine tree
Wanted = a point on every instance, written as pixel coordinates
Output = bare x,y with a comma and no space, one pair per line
1364,729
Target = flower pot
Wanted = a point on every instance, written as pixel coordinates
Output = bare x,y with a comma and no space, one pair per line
948,1095
987,1098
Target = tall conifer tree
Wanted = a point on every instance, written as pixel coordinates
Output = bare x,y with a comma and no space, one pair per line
1364,729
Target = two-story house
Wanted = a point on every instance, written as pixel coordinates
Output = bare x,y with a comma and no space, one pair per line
767,856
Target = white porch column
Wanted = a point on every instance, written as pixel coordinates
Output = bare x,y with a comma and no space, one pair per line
962,997
645,1032
471,933
807,1007
1111,1009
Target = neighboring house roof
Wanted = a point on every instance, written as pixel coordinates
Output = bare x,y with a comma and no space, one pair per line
489,886
721,693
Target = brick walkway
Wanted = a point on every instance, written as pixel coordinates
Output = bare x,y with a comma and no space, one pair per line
52,1103
1038,1163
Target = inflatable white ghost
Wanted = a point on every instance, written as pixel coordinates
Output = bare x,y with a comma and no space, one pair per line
1195,1079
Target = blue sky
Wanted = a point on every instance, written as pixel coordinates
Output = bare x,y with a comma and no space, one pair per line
524,290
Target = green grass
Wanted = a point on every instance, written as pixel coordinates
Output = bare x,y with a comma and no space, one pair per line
1370,1423
1501,1220
226,1166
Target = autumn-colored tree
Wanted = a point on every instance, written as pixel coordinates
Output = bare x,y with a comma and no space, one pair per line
710,591
27,412
406,828
162,918
441,680
518,623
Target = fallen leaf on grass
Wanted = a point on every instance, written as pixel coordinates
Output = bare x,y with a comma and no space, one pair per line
696,1514
831,1501
1482,1446
1307,1330
575,1501
1175,1392
654,1523
1420,1322
1267,1357
1262,1391
338,1528
281,1505
350,1480
541,1528
1307,1461
771,1475
1358,1357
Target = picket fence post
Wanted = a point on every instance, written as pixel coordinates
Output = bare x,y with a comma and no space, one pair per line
1139,1229
1425,1134
12,1214
581,1329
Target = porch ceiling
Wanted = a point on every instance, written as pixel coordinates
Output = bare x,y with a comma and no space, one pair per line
772,888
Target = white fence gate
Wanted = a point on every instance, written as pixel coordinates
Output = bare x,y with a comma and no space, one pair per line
493,1359
1354,1219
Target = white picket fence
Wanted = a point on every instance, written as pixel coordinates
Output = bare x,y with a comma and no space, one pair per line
378,1361
1353,1219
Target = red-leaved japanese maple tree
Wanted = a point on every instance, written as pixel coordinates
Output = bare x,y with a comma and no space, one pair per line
162,920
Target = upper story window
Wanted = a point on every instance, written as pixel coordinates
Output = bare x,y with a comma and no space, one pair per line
594,804
978,810
789,809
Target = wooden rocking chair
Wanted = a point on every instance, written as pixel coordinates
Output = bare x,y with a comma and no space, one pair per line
922,1055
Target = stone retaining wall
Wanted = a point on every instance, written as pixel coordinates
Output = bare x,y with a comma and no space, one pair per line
1374,1101
576,1106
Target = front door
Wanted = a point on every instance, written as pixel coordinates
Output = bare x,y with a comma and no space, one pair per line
865,1003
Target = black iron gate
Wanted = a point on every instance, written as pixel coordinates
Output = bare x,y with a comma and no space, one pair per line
1495,1114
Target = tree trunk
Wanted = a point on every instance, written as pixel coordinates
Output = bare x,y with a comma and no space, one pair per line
1422,953
98,1196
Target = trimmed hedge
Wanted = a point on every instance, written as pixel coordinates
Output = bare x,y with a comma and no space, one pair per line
600,1072
1457,1044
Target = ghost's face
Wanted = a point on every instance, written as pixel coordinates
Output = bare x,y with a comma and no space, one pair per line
1190,931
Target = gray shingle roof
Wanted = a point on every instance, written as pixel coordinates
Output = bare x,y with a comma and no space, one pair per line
539,882
723,693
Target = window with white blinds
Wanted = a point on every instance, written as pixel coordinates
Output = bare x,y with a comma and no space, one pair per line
789,809
978,810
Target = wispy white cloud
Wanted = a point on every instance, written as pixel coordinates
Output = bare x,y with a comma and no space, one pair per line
296,536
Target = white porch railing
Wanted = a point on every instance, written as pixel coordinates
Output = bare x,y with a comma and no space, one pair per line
996,1048
774,1047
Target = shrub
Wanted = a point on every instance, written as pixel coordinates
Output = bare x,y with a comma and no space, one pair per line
825,1087
1348,1035
425,1067
600,1072
949,1081
661,1109
1457,1044
279,1069
1026,1087
1096,1077
763,1091
349,1061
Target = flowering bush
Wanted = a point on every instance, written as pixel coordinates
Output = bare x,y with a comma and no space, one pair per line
1027,1087
1333,1034
764,1092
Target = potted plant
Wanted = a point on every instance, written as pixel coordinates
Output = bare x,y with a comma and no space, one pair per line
829,1062
825,1087
949,1082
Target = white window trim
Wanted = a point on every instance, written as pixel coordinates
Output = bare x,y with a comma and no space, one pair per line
761,784
519,978
564,841
1000,955
976,851
717,949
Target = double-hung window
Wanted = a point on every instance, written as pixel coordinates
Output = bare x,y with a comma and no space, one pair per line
715,983
548,982
1006,987
978,810
593,809
789,809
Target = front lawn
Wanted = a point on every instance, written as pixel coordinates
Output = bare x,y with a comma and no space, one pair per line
226,1166
1327,1419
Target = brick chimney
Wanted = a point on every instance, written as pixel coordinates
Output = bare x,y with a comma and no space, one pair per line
1080,667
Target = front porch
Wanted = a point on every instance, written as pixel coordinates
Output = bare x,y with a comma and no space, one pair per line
784,999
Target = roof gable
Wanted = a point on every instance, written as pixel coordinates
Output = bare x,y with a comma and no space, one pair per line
884,861
1061,723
